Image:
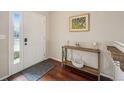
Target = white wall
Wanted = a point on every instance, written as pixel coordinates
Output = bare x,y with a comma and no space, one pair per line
4,51
104,27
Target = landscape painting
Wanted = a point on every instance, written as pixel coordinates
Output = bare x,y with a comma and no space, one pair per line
79,23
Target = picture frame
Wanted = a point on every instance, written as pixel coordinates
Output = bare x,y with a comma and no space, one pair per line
79,23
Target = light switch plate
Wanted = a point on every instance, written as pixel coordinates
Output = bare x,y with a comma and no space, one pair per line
2,36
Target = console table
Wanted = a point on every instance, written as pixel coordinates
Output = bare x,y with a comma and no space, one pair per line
87,69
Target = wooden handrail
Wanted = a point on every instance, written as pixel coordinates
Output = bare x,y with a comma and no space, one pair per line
117,55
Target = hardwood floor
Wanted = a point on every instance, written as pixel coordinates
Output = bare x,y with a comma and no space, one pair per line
58,73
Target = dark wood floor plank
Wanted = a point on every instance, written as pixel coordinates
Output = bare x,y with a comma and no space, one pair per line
58,73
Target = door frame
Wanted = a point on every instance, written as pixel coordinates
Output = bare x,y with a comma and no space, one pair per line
10,35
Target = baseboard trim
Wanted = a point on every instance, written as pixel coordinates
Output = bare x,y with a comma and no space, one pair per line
59,60
4,77
107,76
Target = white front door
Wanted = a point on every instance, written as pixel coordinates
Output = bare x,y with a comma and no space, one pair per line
34,38
27,40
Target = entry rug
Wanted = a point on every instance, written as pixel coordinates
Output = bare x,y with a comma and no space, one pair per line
35,72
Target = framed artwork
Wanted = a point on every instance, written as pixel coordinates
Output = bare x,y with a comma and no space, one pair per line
79,23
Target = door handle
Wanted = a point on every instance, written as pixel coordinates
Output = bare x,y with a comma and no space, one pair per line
25,41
